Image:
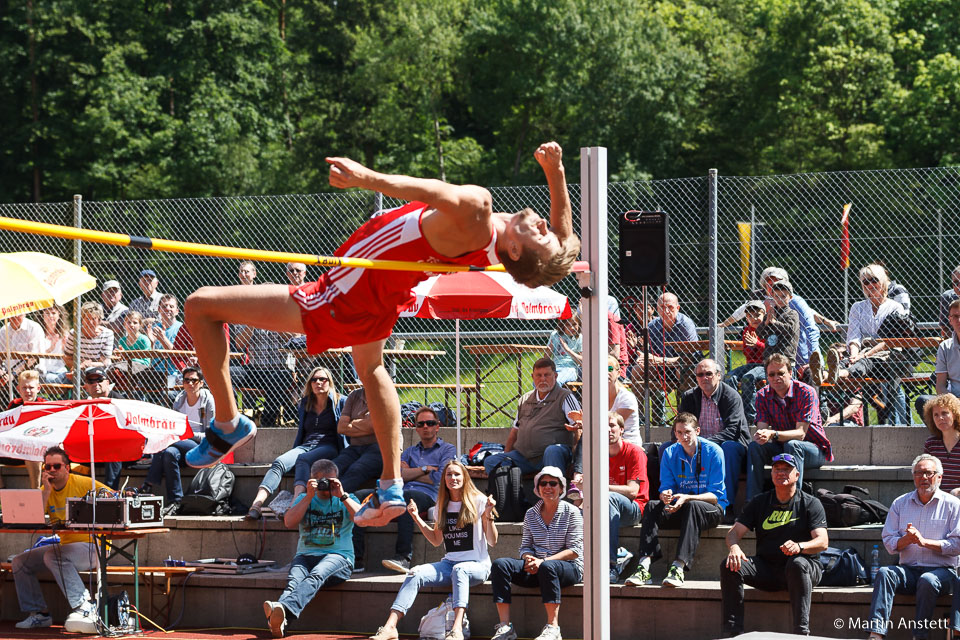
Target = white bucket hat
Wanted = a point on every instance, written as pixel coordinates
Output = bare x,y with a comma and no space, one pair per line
553,472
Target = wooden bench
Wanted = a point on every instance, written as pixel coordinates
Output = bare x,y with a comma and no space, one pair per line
158,580
913,385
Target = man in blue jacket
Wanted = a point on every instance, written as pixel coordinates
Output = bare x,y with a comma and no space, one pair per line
692,498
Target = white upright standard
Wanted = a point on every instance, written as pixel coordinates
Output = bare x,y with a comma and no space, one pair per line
596,450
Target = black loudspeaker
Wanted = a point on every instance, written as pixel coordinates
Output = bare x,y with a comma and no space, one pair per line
644,253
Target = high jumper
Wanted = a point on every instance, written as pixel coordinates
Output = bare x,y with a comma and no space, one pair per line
358,308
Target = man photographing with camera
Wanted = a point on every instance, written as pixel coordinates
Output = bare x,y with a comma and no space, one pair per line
324,515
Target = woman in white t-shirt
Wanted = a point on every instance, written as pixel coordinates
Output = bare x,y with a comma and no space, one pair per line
465,526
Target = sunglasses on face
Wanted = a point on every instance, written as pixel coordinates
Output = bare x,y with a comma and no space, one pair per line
52,467
427,423
869,281
95,380
191,380
611,368
548,483
320,379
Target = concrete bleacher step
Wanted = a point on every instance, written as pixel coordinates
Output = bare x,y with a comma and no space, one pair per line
362,603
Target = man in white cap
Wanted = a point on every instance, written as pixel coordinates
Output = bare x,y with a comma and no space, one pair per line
113,309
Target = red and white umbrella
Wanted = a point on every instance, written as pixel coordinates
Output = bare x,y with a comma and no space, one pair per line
102,430
469,295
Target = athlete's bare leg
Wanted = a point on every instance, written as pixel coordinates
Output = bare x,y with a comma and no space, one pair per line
264,306
383,402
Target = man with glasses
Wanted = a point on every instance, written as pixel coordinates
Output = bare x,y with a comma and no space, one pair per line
421,466
946,299
296,273
692,499
923,528
76,552
791,529
788,421
947,370
719,411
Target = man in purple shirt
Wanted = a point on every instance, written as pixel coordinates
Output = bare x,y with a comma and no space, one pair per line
421,466
788,421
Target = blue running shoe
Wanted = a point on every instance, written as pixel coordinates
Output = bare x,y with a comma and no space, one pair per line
380,507
217,444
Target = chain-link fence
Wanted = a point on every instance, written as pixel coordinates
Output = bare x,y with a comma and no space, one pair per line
904,218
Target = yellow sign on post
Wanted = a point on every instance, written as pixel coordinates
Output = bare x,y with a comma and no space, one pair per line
744,229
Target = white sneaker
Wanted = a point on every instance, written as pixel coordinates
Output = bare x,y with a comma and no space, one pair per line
550,632
504,632
34,621
83,619
276,617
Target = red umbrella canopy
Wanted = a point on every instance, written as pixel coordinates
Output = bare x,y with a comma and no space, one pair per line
468,295
122,429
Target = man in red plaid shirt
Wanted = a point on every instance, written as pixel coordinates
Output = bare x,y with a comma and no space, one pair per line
788,421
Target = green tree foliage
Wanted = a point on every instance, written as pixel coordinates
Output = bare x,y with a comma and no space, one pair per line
153,98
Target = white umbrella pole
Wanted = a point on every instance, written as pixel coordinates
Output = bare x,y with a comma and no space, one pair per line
457,358
93,473
6,332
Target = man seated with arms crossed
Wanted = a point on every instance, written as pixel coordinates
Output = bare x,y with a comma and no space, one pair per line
791,528
324,515
788,421
76,552
629,487
923,527
692,498
540,436
719,411
420,467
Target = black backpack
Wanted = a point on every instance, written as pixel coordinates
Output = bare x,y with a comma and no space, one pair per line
902,361
407,411
506,487
842,568
847,510
445,415
209,493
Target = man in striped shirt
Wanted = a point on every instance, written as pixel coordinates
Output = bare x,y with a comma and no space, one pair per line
788,421
923,528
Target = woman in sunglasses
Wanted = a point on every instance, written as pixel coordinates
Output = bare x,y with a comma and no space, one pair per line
318,412
551,555
864,348
465,527
197,403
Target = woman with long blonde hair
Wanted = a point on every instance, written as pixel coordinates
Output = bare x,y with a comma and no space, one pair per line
318,413
465,527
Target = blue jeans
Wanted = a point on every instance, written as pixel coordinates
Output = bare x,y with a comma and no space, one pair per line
358,465
287,461
744,379
734,454
896,399
624,512
307,574
808,454
167,464
556,455
926,582
460,575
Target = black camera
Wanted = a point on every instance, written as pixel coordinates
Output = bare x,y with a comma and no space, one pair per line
323,484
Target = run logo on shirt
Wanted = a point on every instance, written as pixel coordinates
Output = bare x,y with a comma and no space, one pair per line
778,519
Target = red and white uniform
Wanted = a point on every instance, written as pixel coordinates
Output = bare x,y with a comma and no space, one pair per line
349,306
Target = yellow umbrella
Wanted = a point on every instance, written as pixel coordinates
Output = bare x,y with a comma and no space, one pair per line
34,281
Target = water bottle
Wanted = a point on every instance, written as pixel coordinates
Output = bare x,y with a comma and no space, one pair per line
874,563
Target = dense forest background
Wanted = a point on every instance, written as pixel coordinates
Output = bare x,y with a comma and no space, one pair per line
146,99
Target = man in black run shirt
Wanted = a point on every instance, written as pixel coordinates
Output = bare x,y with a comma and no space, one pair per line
791,529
